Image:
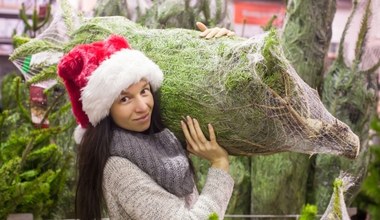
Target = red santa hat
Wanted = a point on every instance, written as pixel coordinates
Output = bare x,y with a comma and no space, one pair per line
94,75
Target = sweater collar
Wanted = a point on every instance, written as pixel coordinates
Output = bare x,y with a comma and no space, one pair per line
160,155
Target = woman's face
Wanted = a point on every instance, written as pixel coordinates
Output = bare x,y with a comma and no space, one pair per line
132,110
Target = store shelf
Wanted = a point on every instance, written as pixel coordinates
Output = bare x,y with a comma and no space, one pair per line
5,40
11,13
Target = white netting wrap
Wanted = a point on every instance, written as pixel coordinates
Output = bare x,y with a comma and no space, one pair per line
48,45
245,88
337,209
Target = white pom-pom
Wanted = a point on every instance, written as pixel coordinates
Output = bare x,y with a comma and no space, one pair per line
78,134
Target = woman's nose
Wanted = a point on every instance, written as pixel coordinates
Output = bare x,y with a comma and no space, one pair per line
141,104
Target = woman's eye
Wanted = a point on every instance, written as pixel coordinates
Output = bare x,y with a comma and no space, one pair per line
145,91
124,99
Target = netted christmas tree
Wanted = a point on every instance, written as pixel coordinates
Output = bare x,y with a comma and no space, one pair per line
246,88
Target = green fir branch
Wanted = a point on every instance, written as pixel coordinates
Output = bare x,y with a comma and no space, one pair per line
67,16
359,49
29,174
84,36
3,115
33,47
35,19
21,107
206,10
369,197
8,172
269,24
348,23
213,216
33,168
12,145
338,184
45,74
24,17
371,70
52,106
44,152
42,135
26,151
63,109
309,212
17,40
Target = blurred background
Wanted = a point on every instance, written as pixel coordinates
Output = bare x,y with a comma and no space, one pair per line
266,187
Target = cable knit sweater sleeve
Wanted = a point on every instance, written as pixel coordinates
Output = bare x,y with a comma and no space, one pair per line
130,193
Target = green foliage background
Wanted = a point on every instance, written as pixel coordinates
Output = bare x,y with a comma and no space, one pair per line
35,164
368,199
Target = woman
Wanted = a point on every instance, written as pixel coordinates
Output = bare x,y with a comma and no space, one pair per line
127,159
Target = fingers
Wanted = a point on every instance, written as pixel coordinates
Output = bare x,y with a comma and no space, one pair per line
212,133
201,26
193,133
189,148
216,32
205,33
199,134
188,137
212,33
231,33
222,32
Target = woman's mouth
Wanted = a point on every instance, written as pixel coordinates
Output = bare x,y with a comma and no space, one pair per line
143,118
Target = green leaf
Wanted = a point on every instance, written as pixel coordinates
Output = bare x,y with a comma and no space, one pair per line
309,212
375,124
213,216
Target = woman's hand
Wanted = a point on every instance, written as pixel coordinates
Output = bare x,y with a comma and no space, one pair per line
198,145
213,32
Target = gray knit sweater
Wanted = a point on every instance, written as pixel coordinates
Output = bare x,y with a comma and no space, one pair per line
160,155
130,193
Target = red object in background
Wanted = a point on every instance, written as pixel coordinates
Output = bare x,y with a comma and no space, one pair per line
259,12
42,10
38,106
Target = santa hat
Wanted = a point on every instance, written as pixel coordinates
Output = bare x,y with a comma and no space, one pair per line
94,75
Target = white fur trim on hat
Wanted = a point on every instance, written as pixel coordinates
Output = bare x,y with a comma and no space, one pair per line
78,134
114,75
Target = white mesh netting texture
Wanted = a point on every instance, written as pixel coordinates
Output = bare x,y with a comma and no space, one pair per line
245,87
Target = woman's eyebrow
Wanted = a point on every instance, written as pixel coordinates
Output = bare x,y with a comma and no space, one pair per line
146,84
124,92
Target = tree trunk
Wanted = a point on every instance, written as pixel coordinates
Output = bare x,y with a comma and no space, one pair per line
306,37
278,183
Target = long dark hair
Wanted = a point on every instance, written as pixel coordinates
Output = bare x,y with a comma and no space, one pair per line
92,155
93,152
